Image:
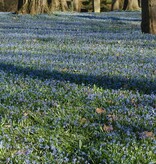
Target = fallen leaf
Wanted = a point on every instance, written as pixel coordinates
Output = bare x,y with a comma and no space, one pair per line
83,120
108,128
111,117
100,110
25,114
147,134
80,144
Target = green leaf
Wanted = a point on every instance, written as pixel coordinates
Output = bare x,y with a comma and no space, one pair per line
80,144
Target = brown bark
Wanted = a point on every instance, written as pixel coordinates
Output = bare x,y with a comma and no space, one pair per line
77,5
33,6
2,6
132,5
117,5
139,2
41,6
2,2
54,5
96,6
148,24
125,5
64,6
58,5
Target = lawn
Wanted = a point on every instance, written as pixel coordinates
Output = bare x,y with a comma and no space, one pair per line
77,88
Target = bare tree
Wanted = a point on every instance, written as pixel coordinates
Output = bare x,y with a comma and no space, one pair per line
148,24
2,6
77,5
96,6
33,6
41,6
117,4
132,5
125,5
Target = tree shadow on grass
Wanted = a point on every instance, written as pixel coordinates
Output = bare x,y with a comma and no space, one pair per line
109,18
145,86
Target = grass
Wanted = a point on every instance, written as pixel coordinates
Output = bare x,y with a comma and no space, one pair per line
57,70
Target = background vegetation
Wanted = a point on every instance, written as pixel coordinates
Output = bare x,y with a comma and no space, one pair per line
86,5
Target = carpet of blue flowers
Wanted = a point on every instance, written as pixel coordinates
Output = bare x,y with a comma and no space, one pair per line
77,88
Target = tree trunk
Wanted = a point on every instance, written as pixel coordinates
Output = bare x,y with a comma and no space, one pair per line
58,5
117,5
41,6
148,24
139,1
96,6
64,6
33,6
2,6
54,5
131,5
77,5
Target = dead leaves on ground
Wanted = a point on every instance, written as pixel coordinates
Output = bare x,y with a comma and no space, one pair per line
109,117
146,134
100,110
107,128
109,121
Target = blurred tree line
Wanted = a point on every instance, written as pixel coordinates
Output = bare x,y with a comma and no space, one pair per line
148,24
8,5
86,5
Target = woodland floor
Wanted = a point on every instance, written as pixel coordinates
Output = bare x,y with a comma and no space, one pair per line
77,88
